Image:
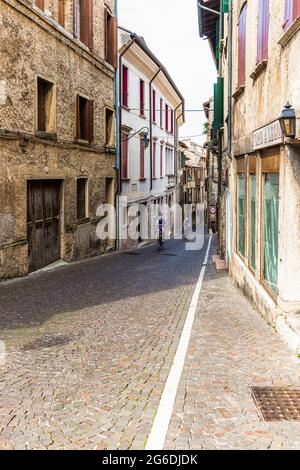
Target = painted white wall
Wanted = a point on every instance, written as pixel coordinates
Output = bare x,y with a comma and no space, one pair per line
134,188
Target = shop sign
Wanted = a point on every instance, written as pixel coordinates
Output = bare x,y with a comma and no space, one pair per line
267,136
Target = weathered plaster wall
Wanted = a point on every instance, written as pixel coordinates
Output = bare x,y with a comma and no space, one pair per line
31,46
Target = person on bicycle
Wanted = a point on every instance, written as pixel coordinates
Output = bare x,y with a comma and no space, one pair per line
160,225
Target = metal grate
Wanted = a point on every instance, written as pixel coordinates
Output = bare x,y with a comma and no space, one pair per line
277,404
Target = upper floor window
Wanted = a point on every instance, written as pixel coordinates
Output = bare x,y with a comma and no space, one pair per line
161,112
125,86
83,21
242,47
45,106
111,39
291,13
85,119
172,121
263,30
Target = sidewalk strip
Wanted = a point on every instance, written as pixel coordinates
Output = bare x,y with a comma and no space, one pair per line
158,433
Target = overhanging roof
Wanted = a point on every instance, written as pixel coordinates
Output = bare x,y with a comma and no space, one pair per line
208,21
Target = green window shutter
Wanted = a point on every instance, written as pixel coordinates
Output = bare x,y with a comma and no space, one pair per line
226,6
218,105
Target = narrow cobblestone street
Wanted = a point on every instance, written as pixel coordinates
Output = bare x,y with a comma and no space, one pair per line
90,347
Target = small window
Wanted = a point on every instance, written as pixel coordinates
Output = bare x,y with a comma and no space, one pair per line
82,198
111,39
46,106
109,128
85,120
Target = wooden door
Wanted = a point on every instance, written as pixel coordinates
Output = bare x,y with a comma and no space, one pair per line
43,223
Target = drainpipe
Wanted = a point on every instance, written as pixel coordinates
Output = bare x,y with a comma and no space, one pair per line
150,124
230,115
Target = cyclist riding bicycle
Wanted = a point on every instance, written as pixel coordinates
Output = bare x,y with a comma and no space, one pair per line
160,225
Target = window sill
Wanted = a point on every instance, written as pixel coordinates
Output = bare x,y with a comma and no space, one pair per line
82,142
142,180
143,116
46,135
289,33
83,221
110,149
238,92
124,180
260,67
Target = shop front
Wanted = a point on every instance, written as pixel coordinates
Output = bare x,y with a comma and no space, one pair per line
266,215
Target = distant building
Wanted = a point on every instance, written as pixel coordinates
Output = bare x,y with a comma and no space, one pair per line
151,108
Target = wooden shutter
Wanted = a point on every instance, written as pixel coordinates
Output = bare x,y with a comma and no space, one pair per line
242,47
154,105
75,18
296,9
142,160
161,112
111,39
86,22
288,14
154,161
124,157
78,132
161,159
172,121
263,30
40,4
90,117
41,106
142,97
125,85
167,117
61,12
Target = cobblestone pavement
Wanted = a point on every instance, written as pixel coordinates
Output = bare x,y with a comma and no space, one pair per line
89,348
231,348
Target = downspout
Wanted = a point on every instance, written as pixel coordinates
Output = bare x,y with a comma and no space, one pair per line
176,138
117,241
150,125
230,116
119,136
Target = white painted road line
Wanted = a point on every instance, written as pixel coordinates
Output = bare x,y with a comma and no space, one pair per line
158,433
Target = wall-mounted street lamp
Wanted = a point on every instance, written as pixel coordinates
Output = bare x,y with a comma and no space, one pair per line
145,139
288,121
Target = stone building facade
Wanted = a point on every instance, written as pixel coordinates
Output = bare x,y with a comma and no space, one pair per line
257,58
57,150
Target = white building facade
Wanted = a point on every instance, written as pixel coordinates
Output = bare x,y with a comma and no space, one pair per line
151,109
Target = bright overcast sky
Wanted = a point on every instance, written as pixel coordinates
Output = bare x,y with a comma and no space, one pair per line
170,28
